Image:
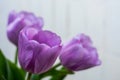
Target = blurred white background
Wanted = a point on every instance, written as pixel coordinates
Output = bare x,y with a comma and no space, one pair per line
100,19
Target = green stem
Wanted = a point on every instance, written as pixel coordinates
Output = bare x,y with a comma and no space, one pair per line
16,56
29,76
62,77
56,66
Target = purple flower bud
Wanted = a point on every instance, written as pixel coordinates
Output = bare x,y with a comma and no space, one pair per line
38,49
17,21
79,54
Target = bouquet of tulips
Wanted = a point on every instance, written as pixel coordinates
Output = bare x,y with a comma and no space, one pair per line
37,50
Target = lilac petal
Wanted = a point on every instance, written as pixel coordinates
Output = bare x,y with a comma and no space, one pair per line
26,50
94,57
40,21
14,29
22,52
27,56
46,58
31,20
83,38
30,32
80,39
78,58
72,55
11,17
48,38
89,60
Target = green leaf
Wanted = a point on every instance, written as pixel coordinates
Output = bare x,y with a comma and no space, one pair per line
3,67
9,71
60,74
15,73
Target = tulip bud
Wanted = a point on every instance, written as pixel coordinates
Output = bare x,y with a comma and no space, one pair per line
79,54
38,49
17,21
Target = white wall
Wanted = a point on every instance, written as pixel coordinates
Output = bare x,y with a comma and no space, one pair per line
100,19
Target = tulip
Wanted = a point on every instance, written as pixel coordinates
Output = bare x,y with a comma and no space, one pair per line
79,54
38,49
17,21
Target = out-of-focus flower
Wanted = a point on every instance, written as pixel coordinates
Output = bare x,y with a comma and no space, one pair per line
17,21
38,49
79,54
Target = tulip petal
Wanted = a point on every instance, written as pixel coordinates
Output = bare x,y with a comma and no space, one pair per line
31,20
46,58
13,30
11,17
79,54
47,37
74,54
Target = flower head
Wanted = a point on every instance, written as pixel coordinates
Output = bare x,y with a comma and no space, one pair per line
38,49
17,21
79,54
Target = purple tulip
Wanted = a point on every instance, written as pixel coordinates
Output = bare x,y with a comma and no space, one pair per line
38,49
17,21
79,54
